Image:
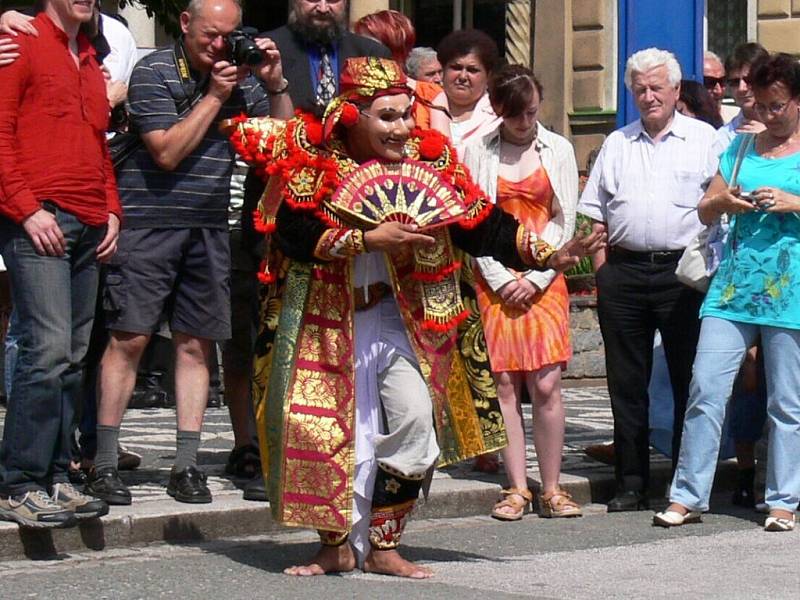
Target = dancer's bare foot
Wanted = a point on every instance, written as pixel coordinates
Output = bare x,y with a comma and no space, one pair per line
389,562
329,559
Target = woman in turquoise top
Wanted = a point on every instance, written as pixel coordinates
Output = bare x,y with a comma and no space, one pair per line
756,291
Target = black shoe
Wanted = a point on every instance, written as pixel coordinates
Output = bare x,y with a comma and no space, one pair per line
744,497
189,485
148,398
106,485
255,490
76,477
244,462
630,500
215,398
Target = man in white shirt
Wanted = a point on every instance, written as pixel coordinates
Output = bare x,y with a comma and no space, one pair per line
644,189
123,55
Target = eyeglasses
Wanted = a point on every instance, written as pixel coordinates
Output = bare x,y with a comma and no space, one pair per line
774,109
712,82
735,81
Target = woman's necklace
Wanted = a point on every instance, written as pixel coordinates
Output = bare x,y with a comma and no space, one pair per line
511,151
776,147
780,147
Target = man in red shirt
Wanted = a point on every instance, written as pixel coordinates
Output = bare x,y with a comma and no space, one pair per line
59,217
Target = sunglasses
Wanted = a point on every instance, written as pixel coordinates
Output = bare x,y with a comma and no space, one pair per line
712,82
735,81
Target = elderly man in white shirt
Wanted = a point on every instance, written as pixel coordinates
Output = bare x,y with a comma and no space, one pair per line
643,190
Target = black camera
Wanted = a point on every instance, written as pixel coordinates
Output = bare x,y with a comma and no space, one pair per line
242,47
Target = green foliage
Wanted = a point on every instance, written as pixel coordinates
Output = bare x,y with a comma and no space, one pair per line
582,268
166,11
582,223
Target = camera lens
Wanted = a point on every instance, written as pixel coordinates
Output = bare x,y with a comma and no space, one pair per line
243,49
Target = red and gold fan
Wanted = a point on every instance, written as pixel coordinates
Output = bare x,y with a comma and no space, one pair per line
409,192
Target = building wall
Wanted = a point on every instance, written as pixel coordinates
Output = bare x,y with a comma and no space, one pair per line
576,61
359,8
593,102
779,25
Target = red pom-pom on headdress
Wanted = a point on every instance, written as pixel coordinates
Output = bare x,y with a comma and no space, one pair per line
349,114
314,132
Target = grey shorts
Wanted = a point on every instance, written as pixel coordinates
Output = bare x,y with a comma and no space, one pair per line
182,275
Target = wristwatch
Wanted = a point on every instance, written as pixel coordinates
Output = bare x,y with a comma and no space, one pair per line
281,90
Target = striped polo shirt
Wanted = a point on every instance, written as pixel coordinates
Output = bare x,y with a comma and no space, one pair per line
197,192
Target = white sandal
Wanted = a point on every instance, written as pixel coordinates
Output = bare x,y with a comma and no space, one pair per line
672,518
779,524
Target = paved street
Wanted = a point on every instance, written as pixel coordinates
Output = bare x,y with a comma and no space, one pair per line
151,432
457,491
728,556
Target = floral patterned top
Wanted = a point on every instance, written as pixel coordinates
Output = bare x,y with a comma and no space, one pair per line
758,280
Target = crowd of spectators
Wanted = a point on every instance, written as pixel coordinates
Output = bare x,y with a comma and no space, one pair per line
161,241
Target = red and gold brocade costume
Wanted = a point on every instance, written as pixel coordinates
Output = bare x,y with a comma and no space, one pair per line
305,368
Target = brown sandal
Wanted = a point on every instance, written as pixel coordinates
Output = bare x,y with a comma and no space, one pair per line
559,504
515,498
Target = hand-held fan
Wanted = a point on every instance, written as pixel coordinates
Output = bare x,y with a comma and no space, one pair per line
409,192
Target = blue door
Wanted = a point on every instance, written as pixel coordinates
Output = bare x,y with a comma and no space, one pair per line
674,25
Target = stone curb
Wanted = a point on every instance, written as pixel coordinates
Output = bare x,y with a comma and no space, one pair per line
164,520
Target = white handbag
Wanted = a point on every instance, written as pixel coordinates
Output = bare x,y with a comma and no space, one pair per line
694,268
691,269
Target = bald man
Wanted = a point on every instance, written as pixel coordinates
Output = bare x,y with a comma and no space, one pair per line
174,255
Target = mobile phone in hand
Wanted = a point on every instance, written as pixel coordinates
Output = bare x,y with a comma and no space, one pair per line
748,197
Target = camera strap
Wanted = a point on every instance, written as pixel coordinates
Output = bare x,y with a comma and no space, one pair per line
191,88
124,145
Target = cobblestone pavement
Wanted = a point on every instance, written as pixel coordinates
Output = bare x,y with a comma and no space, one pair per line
151,433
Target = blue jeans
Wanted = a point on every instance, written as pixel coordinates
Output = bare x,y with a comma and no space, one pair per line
10,353
720,353
54,299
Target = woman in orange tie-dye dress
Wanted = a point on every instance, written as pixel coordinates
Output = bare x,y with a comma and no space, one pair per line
532,174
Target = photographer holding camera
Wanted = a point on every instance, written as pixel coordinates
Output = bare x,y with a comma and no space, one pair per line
174,255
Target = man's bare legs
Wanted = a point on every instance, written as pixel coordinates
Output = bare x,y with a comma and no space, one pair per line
115,382
117,376
192,356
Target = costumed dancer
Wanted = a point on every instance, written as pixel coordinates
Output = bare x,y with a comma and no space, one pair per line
364,387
